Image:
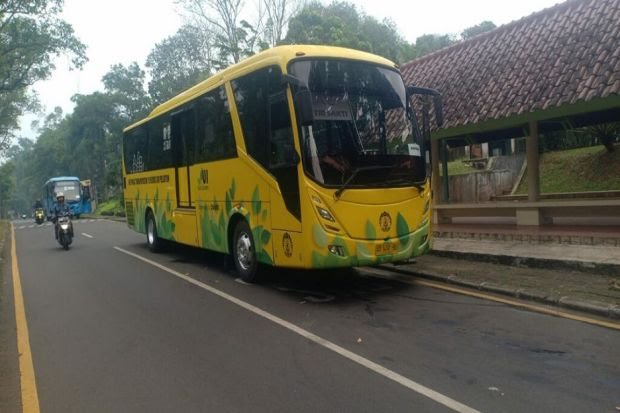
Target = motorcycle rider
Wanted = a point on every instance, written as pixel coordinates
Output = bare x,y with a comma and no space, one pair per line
60,210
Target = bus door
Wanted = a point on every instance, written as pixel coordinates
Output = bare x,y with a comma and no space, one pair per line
183,142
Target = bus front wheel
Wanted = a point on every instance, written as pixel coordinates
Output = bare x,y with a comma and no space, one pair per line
243,252
153,242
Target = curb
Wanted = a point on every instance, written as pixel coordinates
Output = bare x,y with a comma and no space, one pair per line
105,218
596,268
610,311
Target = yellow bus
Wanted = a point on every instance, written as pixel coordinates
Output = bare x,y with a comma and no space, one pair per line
300,156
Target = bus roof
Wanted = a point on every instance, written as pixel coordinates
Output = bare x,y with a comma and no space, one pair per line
62,178
279,54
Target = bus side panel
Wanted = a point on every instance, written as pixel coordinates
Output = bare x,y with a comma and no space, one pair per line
153,190
288,248
227,188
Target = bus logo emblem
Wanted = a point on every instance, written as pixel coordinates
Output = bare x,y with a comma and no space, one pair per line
385,222
287,244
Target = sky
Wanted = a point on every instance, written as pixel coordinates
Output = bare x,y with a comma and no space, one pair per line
124,31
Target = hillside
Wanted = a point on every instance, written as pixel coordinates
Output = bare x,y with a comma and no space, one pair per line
578,170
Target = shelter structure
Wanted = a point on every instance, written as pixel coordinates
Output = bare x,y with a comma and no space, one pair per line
555,69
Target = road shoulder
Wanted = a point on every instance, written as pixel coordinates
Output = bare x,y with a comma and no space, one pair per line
10,400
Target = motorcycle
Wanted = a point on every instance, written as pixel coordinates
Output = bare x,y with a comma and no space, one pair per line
64,231
39,216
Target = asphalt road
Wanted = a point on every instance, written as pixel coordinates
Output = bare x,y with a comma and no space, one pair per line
112,332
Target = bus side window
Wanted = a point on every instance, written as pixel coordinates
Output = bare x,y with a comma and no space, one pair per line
215,134
134,147
183,137
252,93
282,149
159,144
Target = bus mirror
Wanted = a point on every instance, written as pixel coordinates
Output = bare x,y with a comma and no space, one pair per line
303,105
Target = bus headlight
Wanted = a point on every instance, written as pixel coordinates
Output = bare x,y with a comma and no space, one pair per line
325,214
336,250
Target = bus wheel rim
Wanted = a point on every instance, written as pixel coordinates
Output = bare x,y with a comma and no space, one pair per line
151,232
244,251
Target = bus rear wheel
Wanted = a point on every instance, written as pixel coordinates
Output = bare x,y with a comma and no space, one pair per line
243,252
152,240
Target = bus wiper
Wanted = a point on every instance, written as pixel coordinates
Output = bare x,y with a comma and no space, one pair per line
416,184
346,183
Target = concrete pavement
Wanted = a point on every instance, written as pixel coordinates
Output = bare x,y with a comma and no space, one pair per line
570,267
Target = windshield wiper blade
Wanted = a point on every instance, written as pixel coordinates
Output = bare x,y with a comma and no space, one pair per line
417,184
346,183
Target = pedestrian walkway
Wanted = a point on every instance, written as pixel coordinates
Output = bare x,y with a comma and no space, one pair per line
572,267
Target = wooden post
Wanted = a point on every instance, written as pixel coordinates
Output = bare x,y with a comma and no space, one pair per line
445,178
436,179
531,216
533,170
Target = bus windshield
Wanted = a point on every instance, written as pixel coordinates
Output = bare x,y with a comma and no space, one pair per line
70,189
362,134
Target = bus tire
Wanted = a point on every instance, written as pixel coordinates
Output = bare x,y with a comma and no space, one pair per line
244,253
152,240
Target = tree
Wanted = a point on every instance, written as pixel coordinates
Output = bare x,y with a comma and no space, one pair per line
480,28
340,24
125,88
31,35
278,14
7,185
220,20
606,133
178,62
429,43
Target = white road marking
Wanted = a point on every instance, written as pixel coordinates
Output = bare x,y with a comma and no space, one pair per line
87,235
377,368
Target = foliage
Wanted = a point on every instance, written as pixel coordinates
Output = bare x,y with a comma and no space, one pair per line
112,207
31,35
6,187
606,134
220,20
179,61
278,13
429,43
578,170
341,24
480,28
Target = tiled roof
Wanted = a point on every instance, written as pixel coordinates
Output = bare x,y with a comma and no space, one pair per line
565,54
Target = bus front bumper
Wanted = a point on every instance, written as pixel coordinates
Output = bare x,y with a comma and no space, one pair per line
347,252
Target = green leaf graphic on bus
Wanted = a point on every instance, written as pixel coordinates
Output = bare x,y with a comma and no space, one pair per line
319,236
212,226
232,189
402,229
165,226
371,232
256,203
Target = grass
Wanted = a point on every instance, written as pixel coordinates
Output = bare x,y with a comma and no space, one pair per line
578,170
111,207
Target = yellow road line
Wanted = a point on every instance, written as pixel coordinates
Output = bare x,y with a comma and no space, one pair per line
30,397
516,303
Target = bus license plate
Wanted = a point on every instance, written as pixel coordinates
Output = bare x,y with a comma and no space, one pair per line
386,248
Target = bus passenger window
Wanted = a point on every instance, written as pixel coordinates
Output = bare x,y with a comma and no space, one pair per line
282,148
215,134
252,93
